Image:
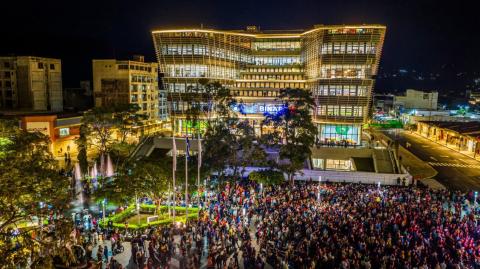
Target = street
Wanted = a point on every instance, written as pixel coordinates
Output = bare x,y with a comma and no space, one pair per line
455,170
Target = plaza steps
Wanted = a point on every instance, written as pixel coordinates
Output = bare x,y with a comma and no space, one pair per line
382,161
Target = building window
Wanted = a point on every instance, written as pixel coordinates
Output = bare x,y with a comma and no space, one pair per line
339,165
52,66
40,65
318,163
332,134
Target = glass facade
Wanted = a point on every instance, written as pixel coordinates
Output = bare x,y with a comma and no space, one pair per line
338,165
337,64
339,134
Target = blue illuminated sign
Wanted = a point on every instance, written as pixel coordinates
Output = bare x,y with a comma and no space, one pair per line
257,108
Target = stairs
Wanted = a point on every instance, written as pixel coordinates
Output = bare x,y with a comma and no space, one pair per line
144,148
382,161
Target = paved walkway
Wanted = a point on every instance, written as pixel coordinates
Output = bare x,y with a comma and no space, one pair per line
451,146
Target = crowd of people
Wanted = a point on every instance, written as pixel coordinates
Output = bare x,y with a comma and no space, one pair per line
308,225
366,226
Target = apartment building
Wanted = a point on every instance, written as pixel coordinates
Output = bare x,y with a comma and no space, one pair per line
129,82
30,83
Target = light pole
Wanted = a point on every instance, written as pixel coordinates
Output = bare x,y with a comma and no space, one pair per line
103,206
319,184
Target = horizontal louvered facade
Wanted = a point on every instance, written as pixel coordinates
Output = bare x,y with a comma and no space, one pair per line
337,64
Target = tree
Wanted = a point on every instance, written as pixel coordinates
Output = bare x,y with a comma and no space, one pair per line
244,147
219,138
126,118
32,193
82,145
100,124
294,125
267,177
106,129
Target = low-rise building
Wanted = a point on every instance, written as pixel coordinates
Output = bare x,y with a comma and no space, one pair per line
62,129
460,136
413,99
474,98
384,104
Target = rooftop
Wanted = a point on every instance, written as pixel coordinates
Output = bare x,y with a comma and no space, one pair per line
257,32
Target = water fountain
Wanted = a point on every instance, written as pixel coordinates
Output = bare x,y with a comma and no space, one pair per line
109,171
102,165
94,171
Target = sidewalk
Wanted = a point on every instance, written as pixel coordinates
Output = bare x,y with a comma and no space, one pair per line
452,147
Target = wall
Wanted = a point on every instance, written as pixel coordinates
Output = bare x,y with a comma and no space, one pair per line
341,176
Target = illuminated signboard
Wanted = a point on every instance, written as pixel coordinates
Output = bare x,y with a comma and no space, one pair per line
64,132
257,108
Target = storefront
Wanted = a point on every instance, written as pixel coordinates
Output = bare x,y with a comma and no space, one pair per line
460,136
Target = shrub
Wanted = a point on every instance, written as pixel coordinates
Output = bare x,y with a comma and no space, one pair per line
164,219
267,177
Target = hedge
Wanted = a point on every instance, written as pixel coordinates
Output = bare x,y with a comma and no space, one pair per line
119,219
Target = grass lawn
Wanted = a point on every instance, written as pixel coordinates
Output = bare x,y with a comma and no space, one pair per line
141,218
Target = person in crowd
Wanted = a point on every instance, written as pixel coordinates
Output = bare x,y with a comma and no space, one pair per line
346,226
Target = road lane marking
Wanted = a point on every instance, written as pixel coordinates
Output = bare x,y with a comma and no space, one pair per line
454,165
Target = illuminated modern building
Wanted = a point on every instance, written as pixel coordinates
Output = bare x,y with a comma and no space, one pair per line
129,82
337,64
30,83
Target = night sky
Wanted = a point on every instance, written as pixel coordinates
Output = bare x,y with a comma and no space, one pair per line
421,35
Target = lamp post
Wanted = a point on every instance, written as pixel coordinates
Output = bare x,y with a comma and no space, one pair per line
475,203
